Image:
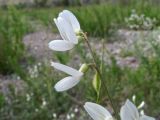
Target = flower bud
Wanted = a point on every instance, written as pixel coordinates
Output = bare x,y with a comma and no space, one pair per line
84,68
80,38
80,35
79,32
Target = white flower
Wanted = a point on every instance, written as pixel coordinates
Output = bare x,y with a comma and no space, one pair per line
54,115
142,112
67,25
36,109
97,112
158,37
28,97
67,15
141,105
72,115
68,117
76,110
130,112
134,98
44,103
67,82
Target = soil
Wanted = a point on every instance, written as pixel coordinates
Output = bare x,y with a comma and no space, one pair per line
37,45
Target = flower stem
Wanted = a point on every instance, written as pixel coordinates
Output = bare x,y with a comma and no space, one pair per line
101,76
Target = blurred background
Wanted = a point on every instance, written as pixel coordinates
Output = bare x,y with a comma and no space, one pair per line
125,36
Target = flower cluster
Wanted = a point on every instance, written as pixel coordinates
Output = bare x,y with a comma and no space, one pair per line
135,21
69,29
34,70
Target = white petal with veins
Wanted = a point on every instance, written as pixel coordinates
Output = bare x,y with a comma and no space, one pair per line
67,69
66,83
97,112
60,45
69,16
68,31
129,111
144,117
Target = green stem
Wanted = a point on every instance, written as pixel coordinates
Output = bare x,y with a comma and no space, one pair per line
101,77
97,100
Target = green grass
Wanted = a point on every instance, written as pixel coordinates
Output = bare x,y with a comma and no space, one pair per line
97,20
12,29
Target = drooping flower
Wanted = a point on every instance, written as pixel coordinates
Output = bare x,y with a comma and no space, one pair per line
67,82
68,26
97,112
130,112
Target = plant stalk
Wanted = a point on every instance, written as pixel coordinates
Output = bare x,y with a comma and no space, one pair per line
101,76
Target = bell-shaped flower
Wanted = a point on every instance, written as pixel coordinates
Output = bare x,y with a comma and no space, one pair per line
130,112
67,82
97,112
67,25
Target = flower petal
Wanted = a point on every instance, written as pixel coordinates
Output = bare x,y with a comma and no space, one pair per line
67,30
67,69
69,16
60,45
144,117
60,28
97,112
66,83
129,111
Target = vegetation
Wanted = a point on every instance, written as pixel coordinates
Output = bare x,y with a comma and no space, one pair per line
39,101
12,29
97,20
